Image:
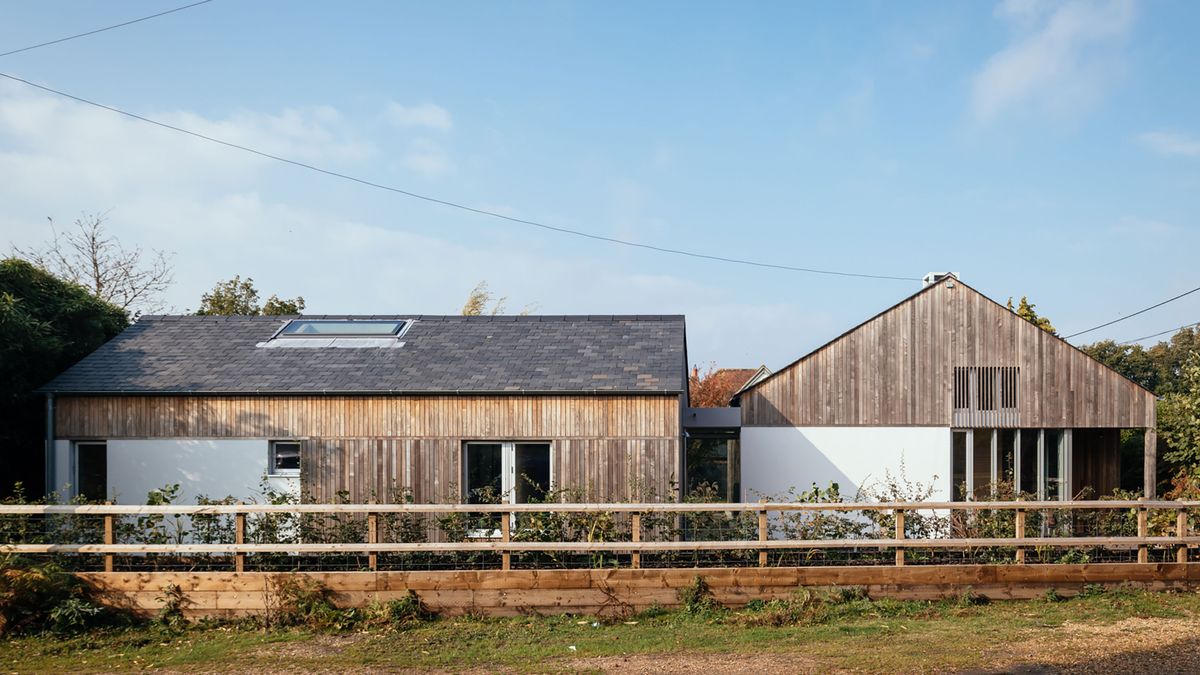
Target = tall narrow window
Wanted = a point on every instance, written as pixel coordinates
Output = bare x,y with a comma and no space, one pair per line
1053,473
982,464
958,466
484,473
531,467
91,470
1027,478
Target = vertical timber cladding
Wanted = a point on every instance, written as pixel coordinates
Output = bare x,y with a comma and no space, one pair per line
897,369
612,447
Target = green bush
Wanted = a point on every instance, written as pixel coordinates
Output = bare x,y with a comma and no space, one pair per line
46,598
697,598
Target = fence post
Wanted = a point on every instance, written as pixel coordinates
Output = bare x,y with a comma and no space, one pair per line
373,538
505,533
239,538
1142,532
636,531
762,536
108,538
1181,531
1019,533
899,535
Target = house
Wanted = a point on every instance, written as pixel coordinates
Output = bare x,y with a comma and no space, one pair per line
947,386
355,407
956,388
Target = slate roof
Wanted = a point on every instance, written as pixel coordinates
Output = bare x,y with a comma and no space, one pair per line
441,354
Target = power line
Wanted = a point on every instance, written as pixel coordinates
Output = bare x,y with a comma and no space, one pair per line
1129,316
1172,330
101,30
456,205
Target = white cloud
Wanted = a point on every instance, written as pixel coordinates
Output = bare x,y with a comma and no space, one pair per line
1060,60
1171,143
427,115
223,213
428,158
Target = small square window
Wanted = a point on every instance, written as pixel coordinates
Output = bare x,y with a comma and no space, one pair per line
284,458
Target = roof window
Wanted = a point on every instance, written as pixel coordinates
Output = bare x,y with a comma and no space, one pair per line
343,328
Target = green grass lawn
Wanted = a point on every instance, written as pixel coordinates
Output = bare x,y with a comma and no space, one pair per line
847,634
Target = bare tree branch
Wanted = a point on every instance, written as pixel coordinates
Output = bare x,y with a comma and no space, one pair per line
89,256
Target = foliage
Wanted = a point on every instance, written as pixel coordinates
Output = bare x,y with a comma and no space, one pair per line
1025,310
238,297
1179,416
697,597
480,297
46,325
44,597
715,387
92,258
173,600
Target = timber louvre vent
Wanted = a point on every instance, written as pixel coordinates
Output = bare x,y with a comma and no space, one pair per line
986,396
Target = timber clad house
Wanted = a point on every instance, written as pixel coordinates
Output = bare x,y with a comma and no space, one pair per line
947,384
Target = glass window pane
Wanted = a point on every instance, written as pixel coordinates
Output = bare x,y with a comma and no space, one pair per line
348,327
1029,461
485,466
983,462
532,472
1007,450
91,465
1053,474
958,466
708,467
285,457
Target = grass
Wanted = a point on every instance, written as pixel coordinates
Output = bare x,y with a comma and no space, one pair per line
837,632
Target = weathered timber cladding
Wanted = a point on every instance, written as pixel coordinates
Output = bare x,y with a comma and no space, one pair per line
611,447
897,370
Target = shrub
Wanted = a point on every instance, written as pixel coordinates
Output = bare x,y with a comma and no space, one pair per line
170,614
45,597
697,598
401,613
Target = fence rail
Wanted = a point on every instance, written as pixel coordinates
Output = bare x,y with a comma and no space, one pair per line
500,540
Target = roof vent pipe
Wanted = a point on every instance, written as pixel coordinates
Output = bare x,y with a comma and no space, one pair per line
934,277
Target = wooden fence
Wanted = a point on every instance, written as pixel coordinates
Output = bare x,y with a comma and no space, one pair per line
501,541
505,590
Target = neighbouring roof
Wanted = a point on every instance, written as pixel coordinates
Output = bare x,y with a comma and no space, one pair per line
436,354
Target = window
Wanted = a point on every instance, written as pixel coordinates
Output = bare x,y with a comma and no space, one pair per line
343,328
512,473
91,470
284,459
1037,461
713,462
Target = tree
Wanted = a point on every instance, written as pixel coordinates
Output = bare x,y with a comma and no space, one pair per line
1132,361
238,297
715,387
479,298
89,256
1025,310
1179,416
47,324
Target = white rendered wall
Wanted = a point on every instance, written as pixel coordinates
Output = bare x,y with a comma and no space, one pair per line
214,468
777,458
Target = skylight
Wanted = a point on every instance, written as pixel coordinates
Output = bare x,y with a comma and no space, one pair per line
342,328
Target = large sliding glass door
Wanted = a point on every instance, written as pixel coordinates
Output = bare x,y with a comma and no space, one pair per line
985,462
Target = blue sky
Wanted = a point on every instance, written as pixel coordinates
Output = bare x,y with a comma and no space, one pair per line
1041,148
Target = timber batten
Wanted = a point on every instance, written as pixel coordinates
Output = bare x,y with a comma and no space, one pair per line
897,369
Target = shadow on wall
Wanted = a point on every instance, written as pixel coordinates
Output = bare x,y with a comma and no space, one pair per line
770,471
775,459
